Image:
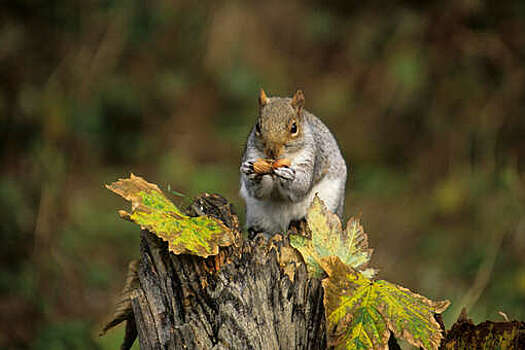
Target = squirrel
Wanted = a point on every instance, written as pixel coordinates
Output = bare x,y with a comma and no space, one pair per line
312,165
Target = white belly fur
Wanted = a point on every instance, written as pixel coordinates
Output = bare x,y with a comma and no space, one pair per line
275,217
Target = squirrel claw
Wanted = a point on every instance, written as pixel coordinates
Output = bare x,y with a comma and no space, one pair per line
285,173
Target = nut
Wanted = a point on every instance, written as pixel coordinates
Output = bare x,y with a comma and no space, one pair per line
279,163
262,166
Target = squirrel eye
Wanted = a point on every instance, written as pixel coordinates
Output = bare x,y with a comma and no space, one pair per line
257,128
293,128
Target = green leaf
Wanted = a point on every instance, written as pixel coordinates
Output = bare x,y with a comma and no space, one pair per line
361,313
307,250
151,210
329,239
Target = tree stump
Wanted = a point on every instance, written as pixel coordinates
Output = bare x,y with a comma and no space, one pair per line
254,296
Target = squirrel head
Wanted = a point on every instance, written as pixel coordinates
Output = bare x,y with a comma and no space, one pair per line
280,123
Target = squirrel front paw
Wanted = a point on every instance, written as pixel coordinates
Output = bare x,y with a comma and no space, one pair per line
247,168
285,173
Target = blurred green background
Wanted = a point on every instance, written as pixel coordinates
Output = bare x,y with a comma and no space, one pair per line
427,100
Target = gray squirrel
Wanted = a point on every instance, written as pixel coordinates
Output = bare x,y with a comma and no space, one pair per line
289,157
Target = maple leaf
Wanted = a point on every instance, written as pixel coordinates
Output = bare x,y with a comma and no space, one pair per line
329,239
361,313
201,235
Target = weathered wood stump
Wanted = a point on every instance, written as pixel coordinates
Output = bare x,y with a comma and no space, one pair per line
253,296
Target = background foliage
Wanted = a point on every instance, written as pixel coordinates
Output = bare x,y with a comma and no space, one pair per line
426,99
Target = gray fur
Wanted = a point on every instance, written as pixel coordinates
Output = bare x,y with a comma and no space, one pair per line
274,200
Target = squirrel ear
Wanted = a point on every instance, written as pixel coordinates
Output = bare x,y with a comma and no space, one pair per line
263,99
298,100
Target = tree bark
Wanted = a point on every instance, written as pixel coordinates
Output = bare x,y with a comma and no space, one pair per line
254,296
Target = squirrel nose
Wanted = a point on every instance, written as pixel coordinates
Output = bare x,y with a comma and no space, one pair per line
273,151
